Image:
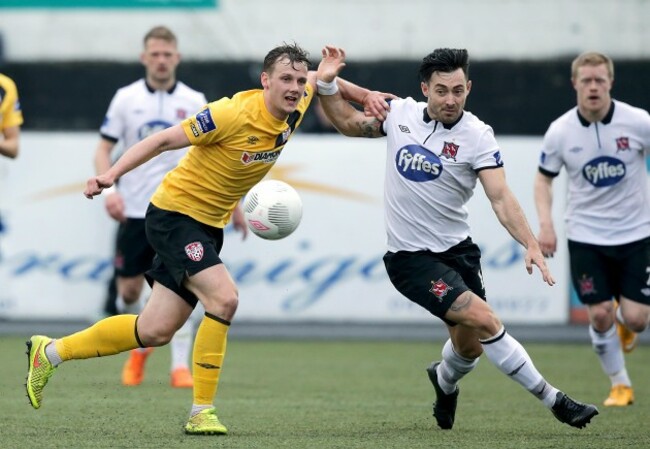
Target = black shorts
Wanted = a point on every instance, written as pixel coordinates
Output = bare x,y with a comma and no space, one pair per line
133,253
183,248
600,273
435,280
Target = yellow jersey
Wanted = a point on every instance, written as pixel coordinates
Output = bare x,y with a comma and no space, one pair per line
10,113
235,142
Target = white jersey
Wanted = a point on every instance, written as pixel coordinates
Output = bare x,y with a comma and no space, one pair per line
609,199
136,112
431,172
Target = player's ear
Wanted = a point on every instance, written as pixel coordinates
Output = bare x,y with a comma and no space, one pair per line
264,78
425,89
469,86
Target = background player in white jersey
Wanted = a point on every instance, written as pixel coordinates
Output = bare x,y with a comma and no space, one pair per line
138,110
436,151
603,144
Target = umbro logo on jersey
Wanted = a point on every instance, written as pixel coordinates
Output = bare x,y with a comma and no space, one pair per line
575,150
404,129
252,140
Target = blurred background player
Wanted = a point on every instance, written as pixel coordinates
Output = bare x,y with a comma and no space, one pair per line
11,117
138,110
602,143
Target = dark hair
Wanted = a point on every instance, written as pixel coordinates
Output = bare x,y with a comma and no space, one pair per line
292,52
444,60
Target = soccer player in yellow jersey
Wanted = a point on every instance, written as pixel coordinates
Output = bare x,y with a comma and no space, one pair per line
11,117
234,143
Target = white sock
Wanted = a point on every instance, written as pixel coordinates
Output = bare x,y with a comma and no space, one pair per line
181,344
511,358
453,368
608,348
619,315
52,354
122,307
198,408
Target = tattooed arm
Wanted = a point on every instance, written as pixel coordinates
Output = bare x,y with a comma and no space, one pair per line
347,120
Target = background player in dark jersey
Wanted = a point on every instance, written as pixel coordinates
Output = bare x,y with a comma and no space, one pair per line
436,151
603,144
185,224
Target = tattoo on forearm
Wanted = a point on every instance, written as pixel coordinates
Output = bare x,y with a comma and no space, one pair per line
369,128
462,302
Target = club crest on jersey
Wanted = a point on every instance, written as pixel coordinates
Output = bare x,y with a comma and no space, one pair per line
586,285
604,171
252,140
622,144
416,163
194,251
440,288
181,114
449,150
266,157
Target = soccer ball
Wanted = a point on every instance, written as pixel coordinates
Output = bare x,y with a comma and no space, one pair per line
272,209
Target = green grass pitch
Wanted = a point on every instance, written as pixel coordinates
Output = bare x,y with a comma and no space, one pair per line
314,394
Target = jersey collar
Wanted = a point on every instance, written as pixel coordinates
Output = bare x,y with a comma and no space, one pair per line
427,119
169,91
605,121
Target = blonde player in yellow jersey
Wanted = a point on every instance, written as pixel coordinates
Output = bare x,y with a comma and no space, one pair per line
235,142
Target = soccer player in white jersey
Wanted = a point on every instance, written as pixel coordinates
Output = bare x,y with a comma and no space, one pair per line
153,103
602,144
436,151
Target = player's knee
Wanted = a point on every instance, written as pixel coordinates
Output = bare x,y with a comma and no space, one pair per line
636,323
130,294
223,304
469,350
601,317
157,336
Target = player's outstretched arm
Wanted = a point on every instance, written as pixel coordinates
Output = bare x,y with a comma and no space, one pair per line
544,205
331,90
511,216
169,139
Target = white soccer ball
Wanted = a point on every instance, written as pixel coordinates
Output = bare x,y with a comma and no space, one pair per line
272,209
